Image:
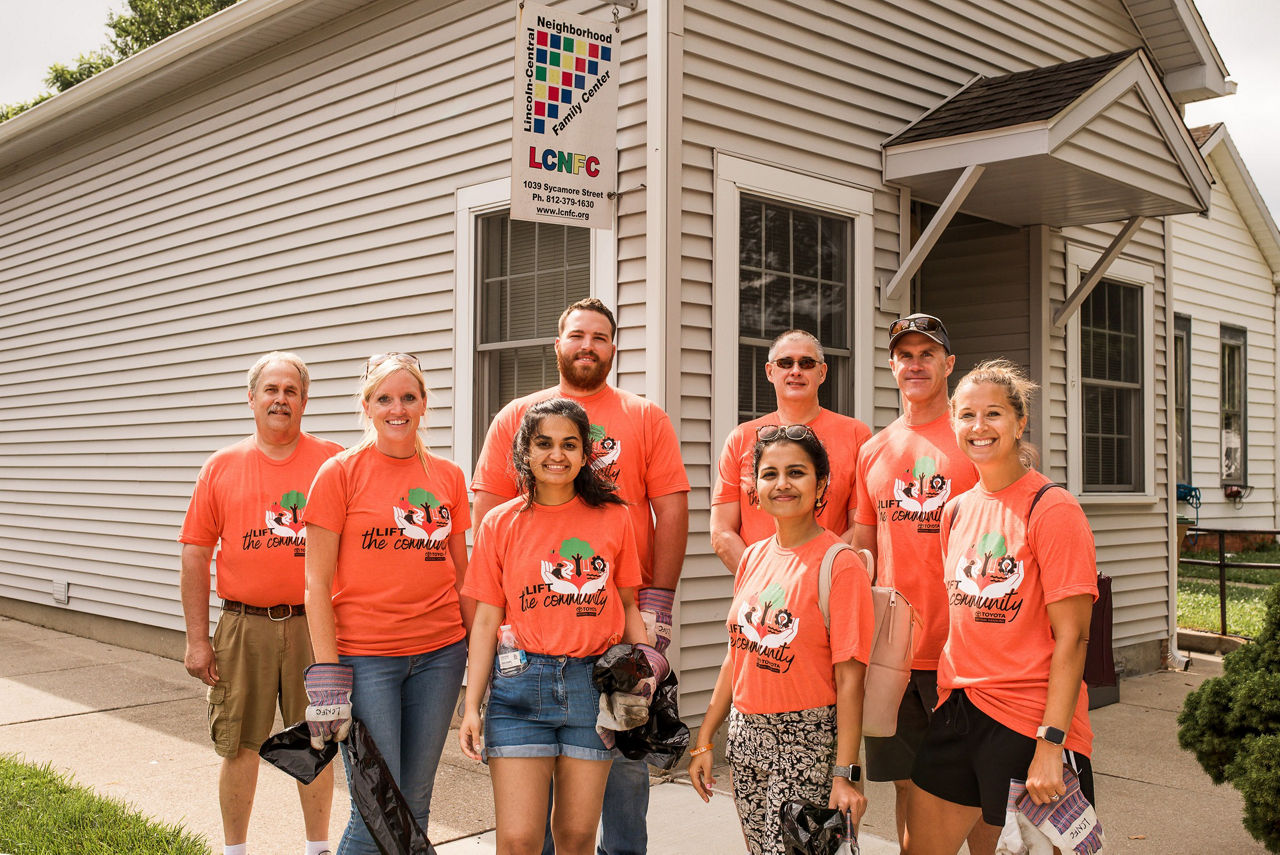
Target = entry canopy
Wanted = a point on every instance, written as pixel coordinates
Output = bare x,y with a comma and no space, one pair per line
1089,141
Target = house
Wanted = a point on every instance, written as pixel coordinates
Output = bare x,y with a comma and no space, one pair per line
1226,265
331,177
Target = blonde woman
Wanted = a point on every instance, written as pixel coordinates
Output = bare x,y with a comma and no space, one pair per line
386,556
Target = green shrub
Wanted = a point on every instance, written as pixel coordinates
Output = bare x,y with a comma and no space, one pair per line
1232,724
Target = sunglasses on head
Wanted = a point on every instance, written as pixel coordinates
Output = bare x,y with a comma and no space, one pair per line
769,433
806,363
925,324
379,358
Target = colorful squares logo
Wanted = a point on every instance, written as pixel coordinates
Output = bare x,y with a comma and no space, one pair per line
563,65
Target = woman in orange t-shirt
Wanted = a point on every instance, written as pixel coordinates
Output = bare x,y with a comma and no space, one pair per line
1021,577
386,554
795,687
559,565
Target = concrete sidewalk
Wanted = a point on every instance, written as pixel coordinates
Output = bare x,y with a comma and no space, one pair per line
131,725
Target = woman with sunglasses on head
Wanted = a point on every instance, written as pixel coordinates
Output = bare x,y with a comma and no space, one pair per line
558,566
790,687
796,369
386,555
1018,560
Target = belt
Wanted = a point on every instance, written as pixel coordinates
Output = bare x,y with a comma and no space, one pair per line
283,611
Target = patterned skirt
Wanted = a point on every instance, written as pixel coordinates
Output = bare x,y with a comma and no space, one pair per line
776,757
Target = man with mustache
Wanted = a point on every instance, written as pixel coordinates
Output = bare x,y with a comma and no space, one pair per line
261,645
638,438
796,369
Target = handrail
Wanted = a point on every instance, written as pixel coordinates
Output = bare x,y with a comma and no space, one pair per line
1222,563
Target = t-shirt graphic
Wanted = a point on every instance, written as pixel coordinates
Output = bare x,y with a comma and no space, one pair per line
607,450
767,628
924,489
576,571
423,518
284,523
986,577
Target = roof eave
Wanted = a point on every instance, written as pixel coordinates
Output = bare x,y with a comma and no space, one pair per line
1253,208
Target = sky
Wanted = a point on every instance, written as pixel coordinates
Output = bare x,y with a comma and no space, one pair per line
1244,31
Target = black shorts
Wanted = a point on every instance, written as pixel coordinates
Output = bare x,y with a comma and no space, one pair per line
968,758
891,758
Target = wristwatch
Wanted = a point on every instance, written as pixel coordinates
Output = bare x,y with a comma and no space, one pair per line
1051,735
853,773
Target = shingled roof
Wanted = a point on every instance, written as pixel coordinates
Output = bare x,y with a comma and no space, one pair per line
1012,99
1202,133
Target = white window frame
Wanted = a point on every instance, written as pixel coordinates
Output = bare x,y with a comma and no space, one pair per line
735,175
1080,259
470,203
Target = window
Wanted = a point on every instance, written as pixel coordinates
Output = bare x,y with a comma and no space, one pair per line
794,273
528,273
1234,378
1182,396
1111,371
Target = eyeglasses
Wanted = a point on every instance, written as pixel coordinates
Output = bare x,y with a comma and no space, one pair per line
919,323
807,363
379,358
769,433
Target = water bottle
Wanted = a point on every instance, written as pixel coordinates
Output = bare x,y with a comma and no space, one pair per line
511,659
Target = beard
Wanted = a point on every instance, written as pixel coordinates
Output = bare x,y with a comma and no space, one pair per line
583,376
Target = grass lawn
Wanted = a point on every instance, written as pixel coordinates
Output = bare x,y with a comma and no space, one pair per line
1209,552
43,813
1198,607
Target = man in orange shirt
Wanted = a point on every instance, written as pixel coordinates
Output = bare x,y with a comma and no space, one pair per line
249,498
906,473
635,445
796,368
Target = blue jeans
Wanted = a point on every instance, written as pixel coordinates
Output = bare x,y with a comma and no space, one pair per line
624,828
406,702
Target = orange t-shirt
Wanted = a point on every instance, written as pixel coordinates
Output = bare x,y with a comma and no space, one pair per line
783,655
556,570
842,437
251,504
906,473
1000,576
394,589
633,439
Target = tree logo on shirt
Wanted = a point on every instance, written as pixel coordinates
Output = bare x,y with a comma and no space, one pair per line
604,449
986,572
924,490
283,517
579,571
765,619
423,518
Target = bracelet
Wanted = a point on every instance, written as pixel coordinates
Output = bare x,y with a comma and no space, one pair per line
694,752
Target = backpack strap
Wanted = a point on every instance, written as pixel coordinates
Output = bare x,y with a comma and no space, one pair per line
824,580
1039,493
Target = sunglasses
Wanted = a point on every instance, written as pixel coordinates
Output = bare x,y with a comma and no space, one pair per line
379,358
807,363
769,433
926,324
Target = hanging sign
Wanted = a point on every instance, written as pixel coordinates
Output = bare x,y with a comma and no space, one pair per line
564,137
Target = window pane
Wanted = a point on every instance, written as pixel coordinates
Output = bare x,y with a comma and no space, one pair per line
1111,343
804,242
750,298
750,232
777,305
804,307
777,238
1232,396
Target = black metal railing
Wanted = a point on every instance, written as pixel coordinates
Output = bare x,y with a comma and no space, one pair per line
1222,563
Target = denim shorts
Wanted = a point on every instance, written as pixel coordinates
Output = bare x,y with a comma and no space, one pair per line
549,710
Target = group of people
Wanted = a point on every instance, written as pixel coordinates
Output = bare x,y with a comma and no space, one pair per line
347,592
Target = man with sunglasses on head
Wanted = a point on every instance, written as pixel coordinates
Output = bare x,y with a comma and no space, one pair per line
906,473
796,368
249,498
634,444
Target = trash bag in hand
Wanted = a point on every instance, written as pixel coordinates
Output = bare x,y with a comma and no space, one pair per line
808,829
290,751
661,740
381,805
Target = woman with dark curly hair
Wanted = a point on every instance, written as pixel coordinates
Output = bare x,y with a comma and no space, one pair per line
795,686
557,565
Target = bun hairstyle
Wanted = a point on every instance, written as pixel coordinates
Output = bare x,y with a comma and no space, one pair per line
591,485
1018,390
811,445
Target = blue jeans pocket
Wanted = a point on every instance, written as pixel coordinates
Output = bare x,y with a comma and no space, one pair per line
516,697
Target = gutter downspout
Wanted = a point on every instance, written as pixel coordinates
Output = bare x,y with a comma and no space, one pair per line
1172,658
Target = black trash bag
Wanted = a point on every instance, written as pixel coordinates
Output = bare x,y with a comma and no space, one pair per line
620,669
381,805
662,740
290,751
808,829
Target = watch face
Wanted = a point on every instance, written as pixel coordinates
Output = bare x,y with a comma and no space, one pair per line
1052,735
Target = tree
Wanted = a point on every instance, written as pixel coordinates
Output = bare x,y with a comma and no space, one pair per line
294,500
991,545
578,550
1232,724
423,499
925,468
146,22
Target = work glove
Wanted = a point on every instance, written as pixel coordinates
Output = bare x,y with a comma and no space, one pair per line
328,686
655,609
